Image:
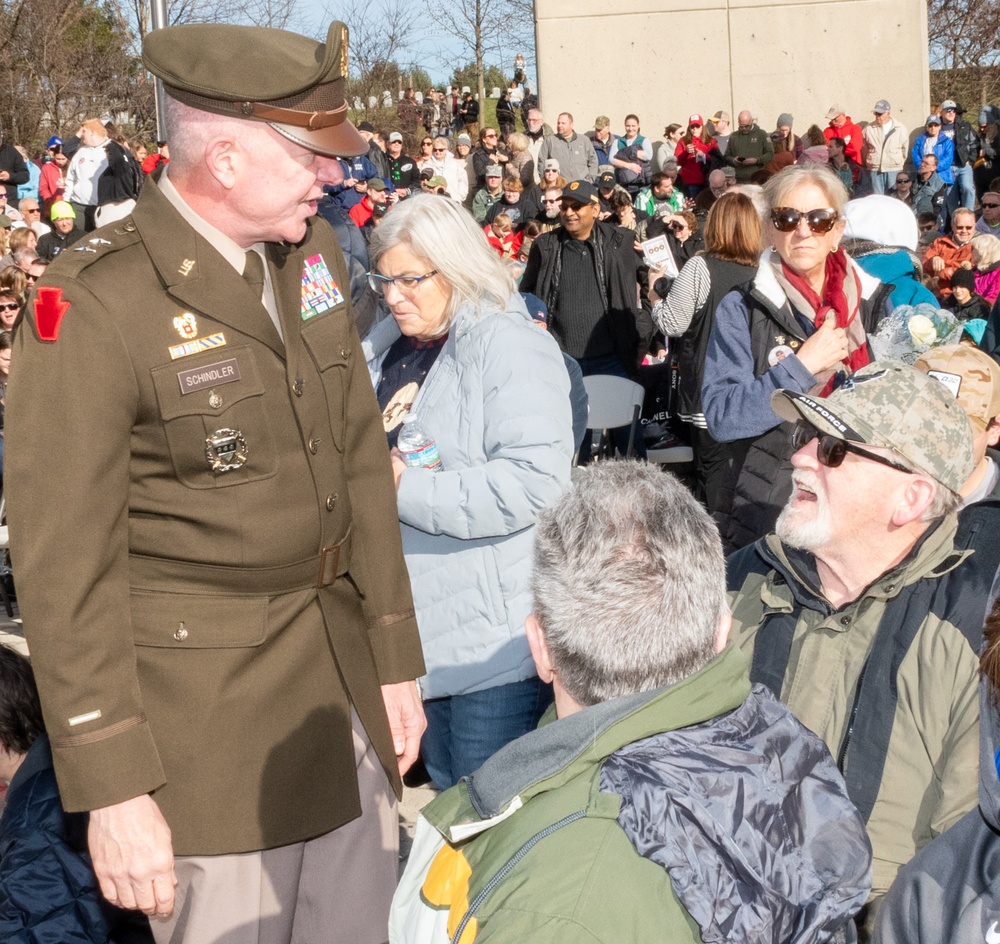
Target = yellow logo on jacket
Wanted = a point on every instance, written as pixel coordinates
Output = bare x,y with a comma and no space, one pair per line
447,888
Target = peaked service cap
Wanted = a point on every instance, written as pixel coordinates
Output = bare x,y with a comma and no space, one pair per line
291,82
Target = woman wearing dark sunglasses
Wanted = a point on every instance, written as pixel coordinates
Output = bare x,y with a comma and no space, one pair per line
802,324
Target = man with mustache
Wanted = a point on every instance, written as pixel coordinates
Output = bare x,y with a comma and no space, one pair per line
859,611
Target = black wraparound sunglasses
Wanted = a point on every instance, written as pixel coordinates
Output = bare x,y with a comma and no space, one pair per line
831,450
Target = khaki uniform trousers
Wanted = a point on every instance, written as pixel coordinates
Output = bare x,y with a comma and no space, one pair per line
335,888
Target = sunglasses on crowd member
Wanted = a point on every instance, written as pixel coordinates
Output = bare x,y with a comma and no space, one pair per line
831,450
989,206
9,306
902,180
786,220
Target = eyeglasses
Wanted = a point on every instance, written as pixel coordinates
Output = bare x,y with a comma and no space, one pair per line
491,134
440,150
786,220
407,284
961,229
902,180
553,200
831,450
29,210
9,306
989,206
426,143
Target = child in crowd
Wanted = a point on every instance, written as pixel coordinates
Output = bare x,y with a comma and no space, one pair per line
964,302
501,236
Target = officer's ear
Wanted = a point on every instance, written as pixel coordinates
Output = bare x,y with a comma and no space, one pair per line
223,157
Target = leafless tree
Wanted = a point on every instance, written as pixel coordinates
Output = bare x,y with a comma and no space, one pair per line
485,30
964,40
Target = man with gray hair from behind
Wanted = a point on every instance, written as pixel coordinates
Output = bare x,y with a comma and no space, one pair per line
627,795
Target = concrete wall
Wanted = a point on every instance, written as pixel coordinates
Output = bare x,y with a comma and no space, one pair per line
664,59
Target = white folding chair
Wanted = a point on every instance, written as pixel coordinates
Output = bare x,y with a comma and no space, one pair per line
613,402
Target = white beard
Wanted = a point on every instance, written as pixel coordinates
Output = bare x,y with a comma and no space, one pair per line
806,534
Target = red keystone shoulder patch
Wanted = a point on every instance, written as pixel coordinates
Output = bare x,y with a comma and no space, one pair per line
49,311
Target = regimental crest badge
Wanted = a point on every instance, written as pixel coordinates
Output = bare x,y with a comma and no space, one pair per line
186,325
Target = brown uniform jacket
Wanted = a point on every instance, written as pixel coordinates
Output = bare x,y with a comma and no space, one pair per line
181,640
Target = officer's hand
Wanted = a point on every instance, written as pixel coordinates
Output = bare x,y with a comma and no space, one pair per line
407,723
133,858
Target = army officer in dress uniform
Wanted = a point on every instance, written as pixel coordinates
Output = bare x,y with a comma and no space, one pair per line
203,521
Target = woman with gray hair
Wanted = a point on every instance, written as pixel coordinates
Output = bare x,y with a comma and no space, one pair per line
461,356
802,324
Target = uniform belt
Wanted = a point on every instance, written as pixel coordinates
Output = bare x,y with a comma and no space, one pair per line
176,576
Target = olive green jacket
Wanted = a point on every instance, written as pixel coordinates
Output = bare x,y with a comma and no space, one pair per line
182,642
929,780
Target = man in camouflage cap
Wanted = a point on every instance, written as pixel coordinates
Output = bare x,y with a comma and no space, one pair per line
211,575
860,613
973,377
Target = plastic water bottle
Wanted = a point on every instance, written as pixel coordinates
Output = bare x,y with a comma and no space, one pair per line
418,447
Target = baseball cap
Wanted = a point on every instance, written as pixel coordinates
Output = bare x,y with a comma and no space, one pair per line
881,107
933,120
834,111
376,183
601,122
695,120
721,116
54,141
970,375
395,136
366,126
607,179
582,191
290,82
494,170
437,181
62,210
551,164
949,105
895,406
538,310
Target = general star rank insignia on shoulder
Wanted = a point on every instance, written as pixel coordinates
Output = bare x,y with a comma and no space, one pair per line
319,291
49,311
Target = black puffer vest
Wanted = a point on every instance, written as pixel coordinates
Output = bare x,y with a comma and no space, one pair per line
765,479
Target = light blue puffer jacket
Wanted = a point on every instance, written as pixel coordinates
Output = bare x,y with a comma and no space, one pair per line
497,403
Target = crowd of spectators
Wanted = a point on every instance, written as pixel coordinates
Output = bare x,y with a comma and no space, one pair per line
784,257
774,281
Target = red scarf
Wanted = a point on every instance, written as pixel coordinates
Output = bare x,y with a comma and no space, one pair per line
834,299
